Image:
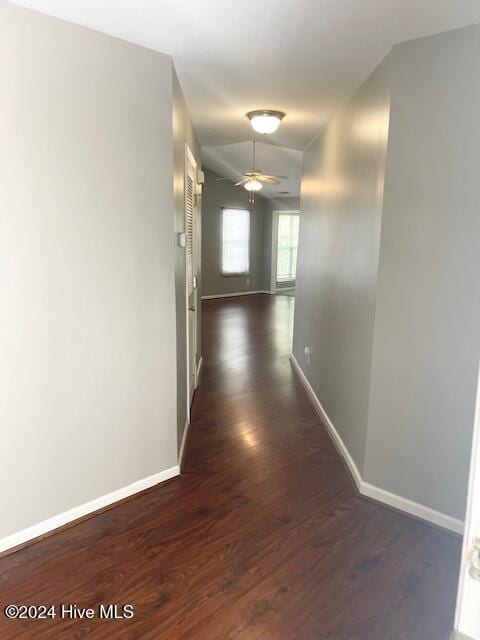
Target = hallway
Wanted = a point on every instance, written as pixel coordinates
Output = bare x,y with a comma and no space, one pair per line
262,538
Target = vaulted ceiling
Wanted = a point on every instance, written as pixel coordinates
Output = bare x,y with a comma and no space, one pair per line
231,160
304,57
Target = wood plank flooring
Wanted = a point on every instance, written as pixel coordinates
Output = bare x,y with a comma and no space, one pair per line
262,538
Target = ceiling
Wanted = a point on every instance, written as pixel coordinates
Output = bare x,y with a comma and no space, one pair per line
231,160
304,57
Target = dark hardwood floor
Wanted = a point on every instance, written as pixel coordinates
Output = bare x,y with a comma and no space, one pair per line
262,538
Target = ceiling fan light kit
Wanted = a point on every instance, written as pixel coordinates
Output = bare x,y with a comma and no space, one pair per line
254,179
253,185
265,120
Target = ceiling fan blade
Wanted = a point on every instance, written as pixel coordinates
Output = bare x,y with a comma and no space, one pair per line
242,181
268,179
279,177
229,179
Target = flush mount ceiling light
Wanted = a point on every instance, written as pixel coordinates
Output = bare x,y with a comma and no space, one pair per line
265,120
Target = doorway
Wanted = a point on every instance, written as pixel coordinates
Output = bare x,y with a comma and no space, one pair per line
191,272
285,225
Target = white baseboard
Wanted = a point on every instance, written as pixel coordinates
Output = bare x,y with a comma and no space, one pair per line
181,453
413,508
365,488
335,436
60,520
199,369
234,295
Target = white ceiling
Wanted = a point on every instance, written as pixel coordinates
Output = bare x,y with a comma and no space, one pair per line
304,57
232,160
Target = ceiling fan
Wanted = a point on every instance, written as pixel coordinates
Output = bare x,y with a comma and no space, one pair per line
254,179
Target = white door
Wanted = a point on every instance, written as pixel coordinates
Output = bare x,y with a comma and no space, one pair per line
191,278
467,622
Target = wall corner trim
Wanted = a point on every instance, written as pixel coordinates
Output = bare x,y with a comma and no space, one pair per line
199,369
183,446
365,488
58,521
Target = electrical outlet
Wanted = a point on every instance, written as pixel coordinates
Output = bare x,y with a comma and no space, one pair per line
248,282
308,354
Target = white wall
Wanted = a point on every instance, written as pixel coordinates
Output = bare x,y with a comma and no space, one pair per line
386,284
218,194
87,337
341,205
427,326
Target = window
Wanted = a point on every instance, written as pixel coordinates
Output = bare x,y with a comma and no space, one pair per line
287,246
235,241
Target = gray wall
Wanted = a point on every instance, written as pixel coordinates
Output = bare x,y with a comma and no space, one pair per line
224,194
386,290
341,205
87,300
183,133
427,327
271,205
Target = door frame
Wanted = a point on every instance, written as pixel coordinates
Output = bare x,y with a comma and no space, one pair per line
274,240
467,589
190,160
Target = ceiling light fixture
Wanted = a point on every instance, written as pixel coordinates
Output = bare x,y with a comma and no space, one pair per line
265,120
253,185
